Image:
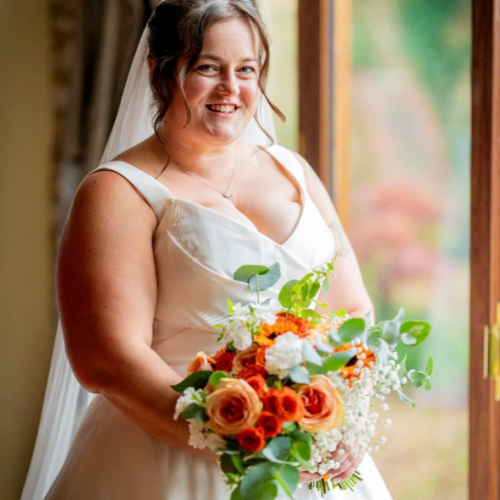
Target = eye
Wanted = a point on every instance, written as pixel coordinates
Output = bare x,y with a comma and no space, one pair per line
252,70
205,67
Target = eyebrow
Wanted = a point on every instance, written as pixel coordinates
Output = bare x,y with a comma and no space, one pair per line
217,58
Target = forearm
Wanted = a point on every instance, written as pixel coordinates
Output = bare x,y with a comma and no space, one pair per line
138,384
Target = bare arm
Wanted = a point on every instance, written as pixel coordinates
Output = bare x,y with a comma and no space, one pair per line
347,291
107,292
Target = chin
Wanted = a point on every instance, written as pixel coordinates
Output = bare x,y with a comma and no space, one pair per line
225,136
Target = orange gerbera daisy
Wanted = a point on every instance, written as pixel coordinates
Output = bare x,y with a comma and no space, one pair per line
348,370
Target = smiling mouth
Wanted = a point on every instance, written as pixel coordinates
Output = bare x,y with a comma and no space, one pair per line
222,109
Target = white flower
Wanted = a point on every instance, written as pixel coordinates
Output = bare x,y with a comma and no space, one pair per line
240,312
264,313
184,401
196,435
239,335
214,441
284,354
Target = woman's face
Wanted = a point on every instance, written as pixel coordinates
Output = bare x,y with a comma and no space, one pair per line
226,74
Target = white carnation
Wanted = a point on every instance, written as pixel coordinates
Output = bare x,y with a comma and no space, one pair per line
239,335
284,354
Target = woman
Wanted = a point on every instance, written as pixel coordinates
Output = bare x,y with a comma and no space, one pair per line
147,256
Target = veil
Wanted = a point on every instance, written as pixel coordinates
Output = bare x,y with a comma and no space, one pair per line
65,399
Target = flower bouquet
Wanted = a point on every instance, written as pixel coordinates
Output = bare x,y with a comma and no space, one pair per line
291,386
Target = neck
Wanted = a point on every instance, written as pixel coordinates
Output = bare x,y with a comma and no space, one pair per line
197,158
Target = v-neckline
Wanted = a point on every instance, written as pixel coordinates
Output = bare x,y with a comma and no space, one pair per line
253,228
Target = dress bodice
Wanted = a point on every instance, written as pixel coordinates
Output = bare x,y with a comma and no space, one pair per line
197,249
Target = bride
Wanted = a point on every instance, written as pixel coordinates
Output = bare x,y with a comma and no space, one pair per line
146,260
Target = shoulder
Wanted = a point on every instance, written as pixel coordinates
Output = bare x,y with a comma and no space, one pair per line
105,197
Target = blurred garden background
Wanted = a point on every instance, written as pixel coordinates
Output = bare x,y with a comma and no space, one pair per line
409,208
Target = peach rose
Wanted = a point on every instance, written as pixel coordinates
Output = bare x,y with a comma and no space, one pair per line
200,363
324,408
245,359
234,406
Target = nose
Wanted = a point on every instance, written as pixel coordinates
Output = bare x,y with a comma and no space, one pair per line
228,85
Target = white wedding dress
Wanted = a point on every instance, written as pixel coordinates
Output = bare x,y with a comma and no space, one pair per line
197,250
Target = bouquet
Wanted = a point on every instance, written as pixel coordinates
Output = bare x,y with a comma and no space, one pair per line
291,385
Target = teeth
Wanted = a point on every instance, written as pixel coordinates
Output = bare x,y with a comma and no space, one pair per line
223,108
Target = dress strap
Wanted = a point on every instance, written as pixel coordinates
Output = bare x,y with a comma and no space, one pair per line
153,190
286,158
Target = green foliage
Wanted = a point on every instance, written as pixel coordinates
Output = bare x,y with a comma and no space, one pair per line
196,412
197,380
216,377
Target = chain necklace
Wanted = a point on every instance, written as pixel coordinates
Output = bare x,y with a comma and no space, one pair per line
227,193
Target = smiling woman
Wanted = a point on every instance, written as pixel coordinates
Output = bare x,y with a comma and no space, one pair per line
148,255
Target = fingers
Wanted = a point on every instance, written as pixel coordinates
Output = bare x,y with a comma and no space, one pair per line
309,477
347,472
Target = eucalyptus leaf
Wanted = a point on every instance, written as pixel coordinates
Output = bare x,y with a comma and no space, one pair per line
338,360
418,329
259,482
383,351
326,285
403,397
299,375
304,292
400,316
390,332
408,339
278,449
287,477
310,354
285,296
245,273
263,281
266,302
418,378
323,346
298,435
428,384
196,380
351,329
340,313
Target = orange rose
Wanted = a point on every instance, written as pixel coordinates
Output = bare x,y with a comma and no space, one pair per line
290,407
324,408
251,371
225,362
269,423
260,357
201,362
258,383
245,358
270,400
251,439
234,406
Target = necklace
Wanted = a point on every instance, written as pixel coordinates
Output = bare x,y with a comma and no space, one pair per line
227,193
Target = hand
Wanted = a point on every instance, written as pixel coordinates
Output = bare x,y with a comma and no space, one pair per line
348,463
308,477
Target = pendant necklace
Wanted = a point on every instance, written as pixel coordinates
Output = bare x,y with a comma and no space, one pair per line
227,193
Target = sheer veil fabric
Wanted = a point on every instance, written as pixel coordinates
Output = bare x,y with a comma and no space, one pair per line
65,399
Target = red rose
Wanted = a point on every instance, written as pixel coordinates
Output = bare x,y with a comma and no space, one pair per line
290,407
259,384
269,423
270,401
225,362
251,439
251,371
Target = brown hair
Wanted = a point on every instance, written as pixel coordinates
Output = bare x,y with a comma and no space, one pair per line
176,32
